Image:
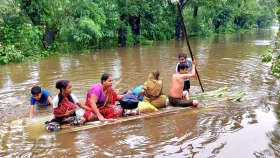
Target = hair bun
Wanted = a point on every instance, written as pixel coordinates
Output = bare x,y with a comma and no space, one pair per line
61,84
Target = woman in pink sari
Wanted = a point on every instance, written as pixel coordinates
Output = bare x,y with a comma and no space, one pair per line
101,98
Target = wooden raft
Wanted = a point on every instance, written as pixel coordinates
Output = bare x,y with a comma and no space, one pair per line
164,111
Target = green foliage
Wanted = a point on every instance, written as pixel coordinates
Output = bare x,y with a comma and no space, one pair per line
276,68
266,15
24,37
129,37
87,24
40,11
112,24
222,19
267,57
226,16
10,54
273,56
221,94
157,32
19,39
82,28
145,41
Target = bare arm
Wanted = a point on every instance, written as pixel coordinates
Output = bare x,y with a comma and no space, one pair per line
50,100
120,97
31,111
140,93
189,75
93,100
83,106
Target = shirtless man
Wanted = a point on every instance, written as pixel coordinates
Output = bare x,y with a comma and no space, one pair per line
176,94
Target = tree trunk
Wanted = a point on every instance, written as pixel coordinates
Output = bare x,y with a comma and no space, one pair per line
195,11
122,37
178,25
195,26
178,28
135,27
49,36
137,31
122,34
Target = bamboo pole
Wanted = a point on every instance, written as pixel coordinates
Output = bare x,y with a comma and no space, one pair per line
187,39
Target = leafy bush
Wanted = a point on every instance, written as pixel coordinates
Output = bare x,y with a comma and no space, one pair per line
129,36
273,56
82,28
10,54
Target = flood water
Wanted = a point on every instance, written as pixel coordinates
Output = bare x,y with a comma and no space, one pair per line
217,128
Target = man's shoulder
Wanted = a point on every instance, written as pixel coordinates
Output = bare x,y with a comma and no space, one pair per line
176,75
46,93
180,76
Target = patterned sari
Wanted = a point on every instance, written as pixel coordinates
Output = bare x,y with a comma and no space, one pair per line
108,109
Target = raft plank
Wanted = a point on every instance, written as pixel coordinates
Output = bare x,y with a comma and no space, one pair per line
158,113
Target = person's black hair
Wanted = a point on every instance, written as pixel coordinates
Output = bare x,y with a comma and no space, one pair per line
105,77
184,55
182,66
36,90
62,84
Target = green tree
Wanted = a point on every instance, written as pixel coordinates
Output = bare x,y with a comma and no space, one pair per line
81,25
19,39
266,14
31,28
42,14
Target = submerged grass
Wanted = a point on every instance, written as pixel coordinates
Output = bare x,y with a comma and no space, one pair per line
220,93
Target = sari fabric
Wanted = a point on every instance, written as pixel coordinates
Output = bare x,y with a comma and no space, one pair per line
108,109
111,97
153,86
153,89
159,102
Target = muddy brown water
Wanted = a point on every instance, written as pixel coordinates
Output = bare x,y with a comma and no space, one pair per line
218,128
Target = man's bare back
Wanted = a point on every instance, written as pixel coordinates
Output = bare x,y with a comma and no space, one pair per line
177,84
177,81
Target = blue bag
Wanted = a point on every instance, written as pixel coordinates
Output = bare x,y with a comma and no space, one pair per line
129,101
137,90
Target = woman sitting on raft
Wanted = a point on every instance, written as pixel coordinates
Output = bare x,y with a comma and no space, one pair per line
152,89
64,106
101,100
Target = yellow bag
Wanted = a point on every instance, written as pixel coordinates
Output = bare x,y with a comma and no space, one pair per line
146,107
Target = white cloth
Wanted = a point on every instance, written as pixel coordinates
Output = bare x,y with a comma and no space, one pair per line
80,112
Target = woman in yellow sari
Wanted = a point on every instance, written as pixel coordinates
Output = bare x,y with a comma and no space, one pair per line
152,89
